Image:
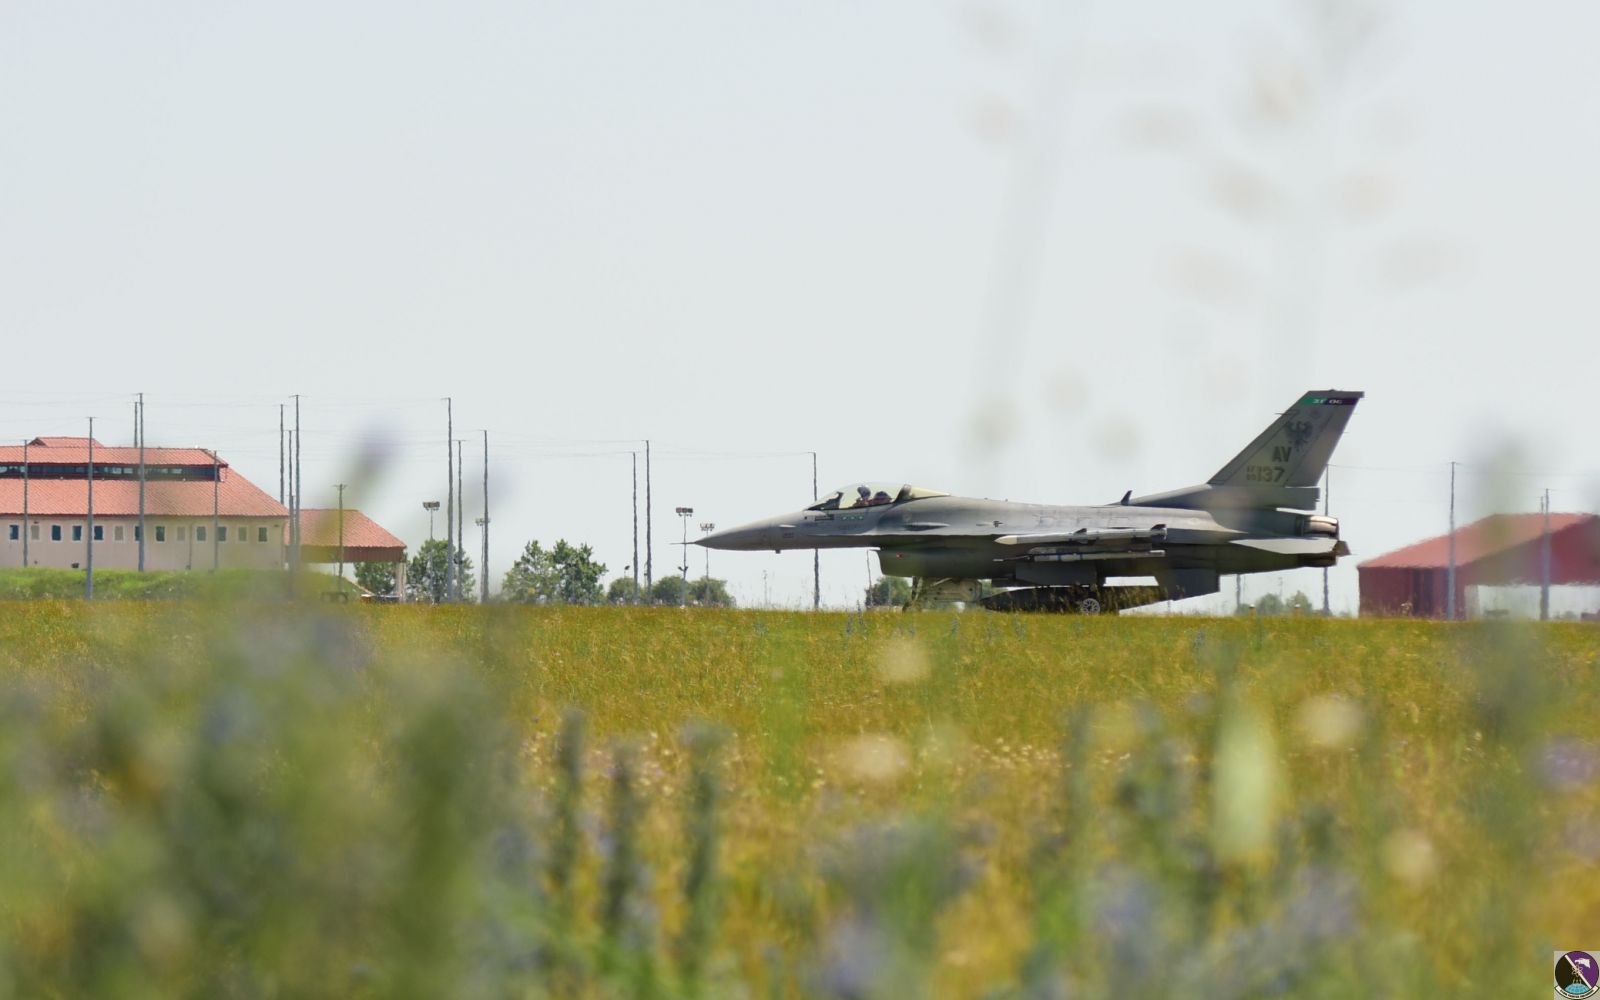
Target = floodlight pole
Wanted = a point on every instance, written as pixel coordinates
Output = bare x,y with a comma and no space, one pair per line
707,527
685,513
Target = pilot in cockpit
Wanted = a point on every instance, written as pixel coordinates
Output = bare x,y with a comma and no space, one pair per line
879,499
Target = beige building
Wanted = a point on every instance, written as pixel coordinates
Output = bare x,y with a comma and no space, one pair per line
199,513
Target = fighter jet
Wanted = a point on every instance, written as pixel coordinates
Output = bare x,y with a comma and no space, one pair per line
1254,516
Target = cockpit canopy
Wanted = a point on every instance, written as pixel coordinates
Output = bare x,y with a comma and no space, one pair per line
872,495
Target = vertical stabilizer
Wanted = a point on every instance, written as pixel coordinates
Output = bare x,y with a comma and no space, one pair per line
1294,451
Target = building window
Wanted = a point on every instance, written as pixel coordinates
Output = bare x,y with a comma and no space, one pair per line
261,534
183,532
99,532
55,532
222,532
137,533
199,532
161,532
77,532
16,532
116,533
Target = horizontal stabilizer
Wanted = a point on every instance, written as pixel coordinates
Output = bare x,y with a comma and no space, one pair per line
1290,546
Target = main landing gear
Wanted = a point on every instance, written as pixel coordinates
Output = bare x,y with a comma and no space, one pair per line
1049,600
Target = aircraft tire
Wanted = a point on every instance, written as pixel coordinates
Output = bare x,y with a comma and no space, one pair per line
1088,606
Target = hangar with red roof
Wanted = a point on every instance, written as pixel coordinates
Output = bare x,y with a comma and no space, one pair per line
1500,550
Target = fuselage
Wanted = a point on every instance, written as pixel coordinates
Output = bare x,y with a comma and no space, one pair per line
1012,543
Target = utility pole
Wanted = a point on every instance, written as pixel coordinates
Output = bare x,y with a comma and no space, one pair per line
1544,563
299,486
280,453
1450,574
649,574
88,580
288,501
635,456
139,429
341,537
27,526
216,522
450,501
816,554
461,515
1238,593
483,565
1327,496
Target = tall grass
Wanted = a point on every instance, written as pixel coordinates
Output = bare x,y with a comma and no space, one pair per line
431,801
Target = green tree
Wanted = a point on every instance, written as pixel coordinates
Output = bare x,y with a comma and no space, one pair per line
1272,604
376,578
667,590
565,574
427,575
889,592
624,591
710,593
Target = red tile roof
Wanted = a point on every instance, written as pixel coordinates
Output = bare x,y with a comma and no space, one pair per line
1481,539
56,442
236,497
320,526
75,451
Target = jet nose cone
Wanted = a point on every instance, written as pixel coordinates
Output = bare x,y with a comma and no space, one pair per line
746,537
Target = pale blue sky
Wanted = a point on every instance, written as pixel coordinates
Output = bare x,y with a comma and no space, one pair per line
774,228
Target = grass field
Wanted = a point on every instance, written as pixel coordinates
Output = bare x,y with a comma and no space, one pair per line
43,583
268,800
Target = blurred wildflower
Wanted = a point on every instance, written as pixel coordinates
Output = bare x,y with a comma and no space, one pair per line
1247,786
873,758
1408,855
1329,722
902,660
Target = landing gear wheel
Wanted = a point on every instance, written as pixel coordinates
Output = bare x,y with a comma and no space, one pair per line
1089,606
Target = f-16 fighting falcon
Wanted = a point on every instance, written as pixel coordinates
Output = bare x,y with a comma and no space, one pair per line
1253,516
